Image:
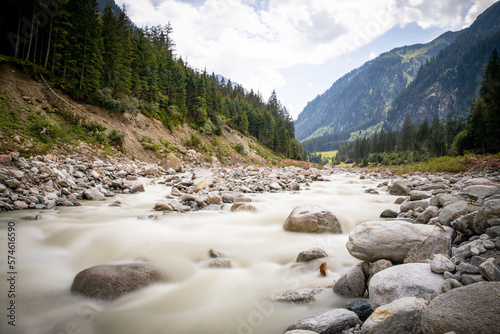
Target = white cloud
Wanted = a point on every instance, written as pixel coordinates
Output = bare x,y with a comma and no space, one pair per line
250,41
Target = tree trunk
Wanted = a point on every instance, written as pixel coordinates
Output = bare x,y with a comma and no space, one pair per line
16,52
31,32
48,45
83,65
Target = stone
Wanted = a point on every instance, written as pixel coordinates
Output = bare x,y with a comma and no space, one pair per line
171,161
468,279
427,215
447,199
175,192
465,224
391,240
298,296
311,218
94,194
245,207
361,307
151,170
202,178
300,331
450,284
311,254
163,206
489,270
425,251
214,199
479,190
176,206
399,188
405,280
388,213
333,321
12,183
470,309
413,205
452,212
353,283
294,186
416,195
219,263
441,263
466,268
20,205
488,216
16,174
108,282
137,188
5,159
275,186
400,316
378,265
230,196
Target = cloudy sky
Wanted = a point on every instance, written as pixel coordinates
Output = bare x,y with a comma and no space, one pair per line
297,47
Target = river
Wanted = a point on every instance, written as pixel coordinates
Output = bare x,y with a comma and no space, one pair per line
195,298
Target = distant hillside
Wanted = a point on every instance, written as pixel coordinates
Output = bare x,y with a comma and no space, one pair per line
440,78
449,83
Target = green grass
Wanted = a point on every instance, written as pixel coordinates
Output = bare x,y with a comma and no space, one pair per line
327,154
437,165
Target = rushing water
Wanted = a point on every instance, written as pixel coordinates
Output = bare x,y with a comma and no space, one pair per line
195,298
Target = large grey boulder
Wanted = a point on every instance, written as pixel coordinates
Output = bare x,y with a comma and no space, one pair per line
465,224
312,218
391,240
479,190
405,280
413,205
108,282
470,309
333,321
452,212
399,188
353,283
487,217
401,316
425,251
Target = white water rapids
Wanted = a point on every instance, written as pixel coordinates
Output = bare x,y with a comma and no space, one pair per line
195,298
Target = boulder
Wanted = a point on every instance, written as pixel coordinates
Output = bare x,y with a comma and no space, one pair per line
294,186
312,218
202,178
416,195
453,211
391,240
405,280
465,224
137,188
361,307
163,206
487,217
442,263
479,190
378,265
171,161
427,215
470,309
108,282
399,188
425,251
333,321
489,270
413,205
94,194
151,170
311,254
401,316
298,296
388,213
353,283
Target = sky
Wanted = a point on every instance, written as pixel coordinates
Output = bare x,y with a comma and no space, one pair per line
297,47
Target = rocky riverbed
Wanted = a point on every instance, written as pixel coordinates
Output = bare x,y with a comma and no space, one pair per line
416,265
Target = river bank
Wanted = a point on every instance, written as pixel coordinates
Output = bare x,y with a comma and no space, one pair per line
215,234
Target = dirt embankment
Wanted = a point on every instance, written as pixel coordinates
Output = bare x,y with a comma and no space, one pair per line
30,95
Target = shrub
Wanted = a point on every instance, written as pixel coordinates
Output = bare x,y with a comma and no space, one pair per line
116,138
240,149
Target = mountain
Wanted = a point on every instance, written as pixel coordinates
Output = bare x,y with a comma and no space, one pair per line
448,84
439,78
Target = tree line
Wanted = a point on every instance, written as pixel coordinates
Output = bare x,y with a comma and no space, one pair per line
104,59
417,142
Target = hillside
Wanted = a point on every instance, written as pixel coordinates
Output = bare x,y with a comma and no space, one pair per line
440,78
361,98
35,121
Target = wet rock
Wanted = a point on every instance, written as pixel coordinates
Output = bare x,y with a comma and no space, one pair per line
353,283
300,331
311,218
294,186
311,254
400,316
137,188
425,251
219,263
108,282
405,280
399,188
94,194
489,270
388,213
176,206
441,263
333,321
229,197
361,307
470,309
244,207
391,240
163,206
298,296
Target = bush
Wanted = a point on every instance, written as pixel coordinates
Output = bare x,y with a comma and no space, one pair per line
240,149
116,138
